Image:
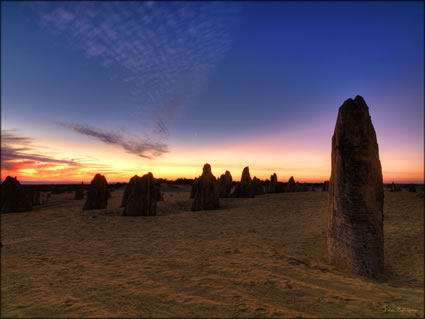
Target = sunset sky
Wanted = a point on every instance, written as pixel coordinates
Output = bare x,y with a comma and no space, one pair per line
131,87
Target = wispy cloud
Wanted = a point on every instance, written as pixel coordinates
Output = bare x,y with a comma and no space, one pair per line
13,153
167,51
161,45
16,150
20,154
161,129
142,147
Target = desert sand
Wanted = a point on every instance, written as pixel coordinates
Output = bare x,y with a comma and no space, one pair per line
255,257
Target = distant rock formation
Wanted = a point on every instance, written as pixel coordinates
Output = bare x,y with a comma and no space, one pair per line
356,193
97,195
325,187
281,187
412,188
14,198
291,187
79,192
246,187
257,186
34,194
303,187
131,184
142,196
206,196
273,183
235,191
225,184
194,186
395,188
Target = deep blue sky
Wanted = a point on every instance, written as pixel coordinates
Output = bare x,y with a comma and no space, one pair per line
212,71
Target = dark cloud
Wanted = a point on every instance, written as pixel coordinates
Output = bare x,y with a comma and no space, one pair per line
18,151
142,147
11,153
162,129
8,137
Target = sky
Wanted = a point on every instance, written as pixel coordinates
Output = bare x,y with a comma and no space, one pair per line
125,88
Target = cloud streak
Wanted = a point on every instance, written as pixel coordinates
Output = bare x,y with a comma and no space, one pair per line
142,147
11,153
19,152
20,156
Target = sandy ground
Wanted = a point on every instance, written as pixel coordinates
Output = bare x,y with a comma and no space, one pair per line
261,257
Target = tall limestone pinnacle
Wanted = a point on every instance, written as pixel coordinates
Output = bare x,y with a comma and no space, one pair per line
206,194
225,184
356,193
246,188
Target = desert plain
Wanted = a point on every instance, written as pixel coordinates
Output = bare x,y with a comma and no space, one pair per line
255,257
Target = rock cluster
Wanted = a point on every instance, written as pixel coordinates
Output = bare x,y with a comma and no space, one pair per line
356,193
97,195
140,196
14,198
206,195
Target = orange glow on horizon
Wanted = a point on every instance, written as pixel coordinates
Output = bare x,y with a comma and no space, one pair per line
305,167
296,154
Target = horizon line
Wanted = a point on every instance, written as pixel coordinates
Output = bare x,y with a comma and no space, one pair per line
175,180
